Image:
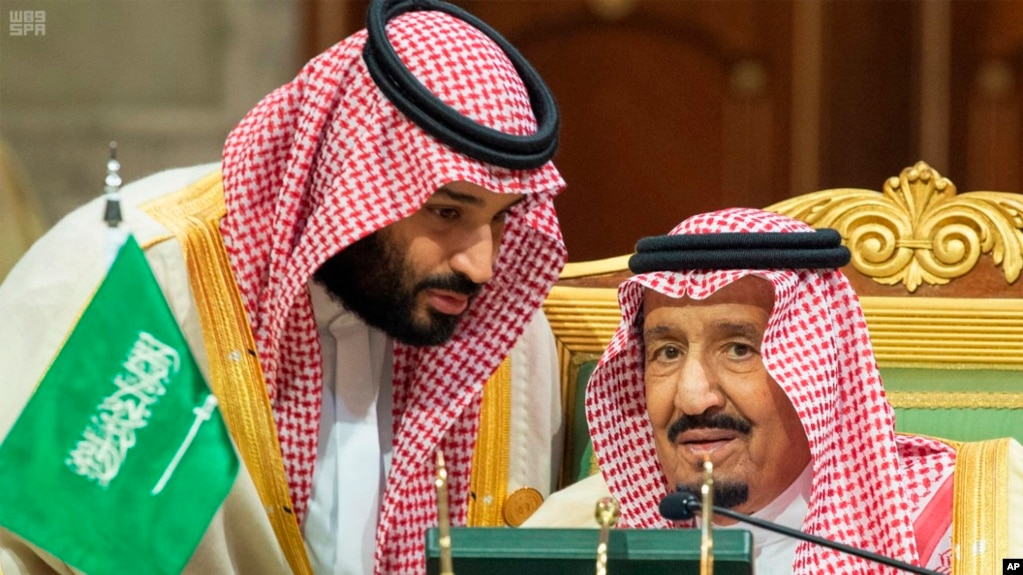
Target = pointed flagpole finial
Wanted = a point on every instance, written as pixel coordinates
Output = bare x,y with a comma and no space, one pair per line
112,189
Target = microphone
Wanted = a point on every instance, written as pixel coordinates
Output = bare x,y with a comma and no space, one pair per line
683,505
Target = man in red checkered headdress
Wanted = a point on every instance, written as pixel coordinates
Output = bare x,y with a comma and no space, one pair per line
379,235
741,341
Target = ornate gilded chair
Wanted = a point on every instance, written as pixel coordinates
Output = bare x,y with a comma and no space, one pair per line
938,274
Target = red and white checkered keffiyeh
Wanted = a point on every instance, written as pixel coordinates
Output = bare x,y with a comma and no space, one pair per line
868,485
326,160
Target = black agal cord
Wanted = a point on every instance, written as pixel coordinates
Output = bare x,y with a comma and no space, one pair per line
442,121
732,250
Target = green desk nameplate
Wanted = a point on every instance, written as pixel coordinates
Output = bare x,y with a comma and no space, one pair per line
511,551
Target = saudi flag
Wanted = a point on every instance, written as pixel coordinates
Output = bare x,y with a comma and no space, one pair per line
121,458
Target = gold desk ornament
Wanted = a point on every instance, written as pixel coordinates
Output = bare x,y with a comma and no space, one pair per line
443,516
706,518
607,514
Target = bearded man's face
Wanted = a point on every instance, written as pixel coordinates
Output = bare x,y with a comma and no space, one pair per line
374,280
415,278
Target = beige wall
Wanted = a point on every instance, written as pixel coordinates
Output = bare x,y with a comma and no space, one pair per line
166,79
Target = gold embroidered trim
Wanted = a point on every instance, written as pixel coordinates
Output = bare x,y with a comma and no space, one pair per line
979,508
193,215
490,459
955,400
150,243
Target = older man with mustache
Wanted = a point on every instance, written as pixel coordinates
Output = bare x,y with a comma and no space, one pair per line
742,342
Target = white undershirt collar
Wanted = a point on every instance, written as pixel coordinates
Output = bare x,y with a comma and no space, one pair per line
773,552
355,440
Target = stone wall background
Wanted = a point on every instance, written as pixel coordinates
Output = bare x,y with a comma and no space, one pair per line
166,79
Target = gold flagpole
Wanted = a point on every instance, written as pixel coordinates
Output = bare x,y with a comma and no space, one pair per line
607,514
707,539
443,516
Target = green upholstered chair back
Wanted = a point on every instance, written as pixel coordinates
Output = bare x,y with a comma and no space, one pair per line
938,275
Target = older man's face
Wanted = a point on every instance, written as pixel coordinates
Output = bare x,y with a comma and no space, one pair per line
709,395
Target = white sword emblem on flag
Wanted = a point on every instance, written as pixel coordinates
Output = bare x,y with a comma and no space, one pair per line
202,414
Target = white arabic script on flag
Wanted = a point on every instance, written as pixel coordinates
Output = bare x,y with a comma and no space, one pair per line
111,433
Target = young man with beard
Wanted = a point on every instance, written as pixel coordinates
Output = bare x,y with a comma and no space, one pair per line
348,277
742,342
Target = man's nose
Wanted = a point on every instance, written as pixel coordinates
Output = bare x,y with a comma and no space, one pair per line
475,259
697,389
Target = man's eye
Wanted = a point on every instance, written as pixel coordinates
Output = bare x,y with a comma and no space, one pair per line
740,350
445,213
669,352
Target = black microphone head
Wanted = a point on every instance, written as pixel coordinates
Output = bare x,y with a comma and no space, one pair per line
679,506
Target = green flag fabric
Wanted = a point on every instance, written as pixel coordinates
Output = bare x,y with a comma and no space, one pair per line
120,459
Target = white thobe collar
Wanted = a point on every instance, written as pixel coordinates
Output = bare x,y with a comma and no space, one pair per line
774,553
355,438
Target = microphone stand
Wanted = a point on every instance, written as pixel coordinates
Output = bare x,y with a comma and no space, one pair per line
691,504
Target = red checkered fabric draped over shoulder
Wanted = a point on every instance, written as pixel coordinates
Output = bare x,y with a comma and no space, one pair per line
867,483
326,160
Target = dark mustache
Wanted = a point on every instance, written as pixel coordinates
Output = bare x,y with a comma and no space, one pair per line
708,421
456,283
